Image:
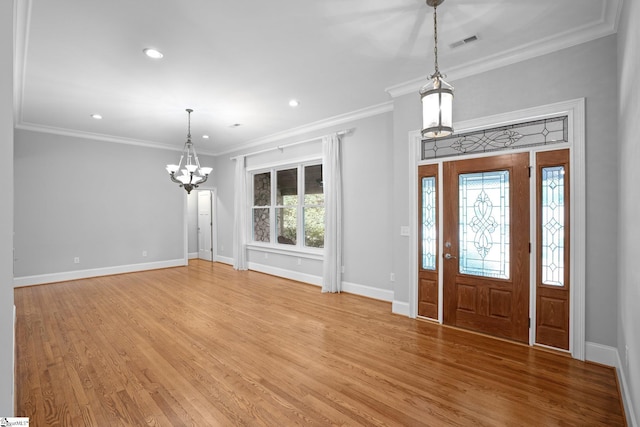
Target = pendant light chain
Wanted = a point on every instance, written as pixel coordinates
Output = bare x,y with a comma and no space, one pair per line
437,95
435,38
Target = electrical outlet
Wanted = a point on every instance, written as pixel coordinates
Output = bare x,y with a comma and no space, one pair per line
144,253
392,277
76,260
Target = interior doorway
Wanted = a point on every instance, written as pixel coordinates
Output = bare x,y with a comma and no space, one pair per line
205,225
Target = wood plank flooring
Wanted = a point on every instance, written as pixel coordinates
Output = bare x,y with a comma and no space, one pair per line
205,345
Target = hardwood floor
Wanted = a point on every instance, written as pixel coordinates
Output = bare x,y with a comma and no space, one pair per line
205,345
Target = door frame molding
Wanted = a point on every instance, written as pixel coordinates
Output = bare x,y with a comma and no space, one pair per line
214,227
575,110
211,199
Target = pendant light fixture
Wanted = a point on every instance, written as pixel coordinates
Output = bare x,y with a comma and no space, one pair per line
437,95
192,174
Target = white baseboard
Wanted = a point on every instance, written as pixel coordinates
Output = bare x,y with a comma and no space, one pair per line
606,355
287,274
94,272
348,287
632,421
368,291
602,354
192,255
224,259
399,307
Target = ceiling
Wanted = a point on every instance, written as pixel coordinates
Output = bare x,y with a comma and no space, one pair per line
240,62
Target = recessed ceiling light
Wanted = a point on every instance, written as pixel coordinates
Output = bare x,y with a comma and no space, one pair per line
97,116
205,136
294,103
153,53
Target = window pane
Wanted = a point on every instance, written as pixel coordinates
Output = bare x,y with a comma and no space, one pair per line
553,226
484,224
314,227
261,224
313,190
262,189
286,223
429,223
287,190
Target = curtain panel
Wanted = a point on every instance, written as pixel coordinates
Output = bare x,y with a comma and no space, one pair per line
332,182
240,216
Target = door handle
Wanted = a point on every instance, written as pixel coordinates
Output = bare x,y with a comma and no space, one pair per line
449,256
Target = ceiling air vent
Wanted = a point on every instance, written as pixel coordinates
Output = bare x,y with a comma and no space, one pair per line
463,42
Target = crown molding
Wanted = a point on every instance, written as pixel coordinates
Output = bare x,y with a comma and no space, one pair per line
321,124
97,137
606,25
373,110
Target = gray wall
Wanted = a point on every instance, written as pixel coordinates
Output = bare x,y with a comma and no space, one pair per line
6,208
629,227
101,201
367,182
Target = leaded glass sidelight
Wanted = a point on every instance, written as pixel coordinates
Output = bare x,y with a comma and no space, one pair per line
484,224
429,223
553,225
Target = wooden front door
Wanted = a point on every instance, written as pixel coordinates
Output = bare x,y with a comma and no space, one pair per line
486,245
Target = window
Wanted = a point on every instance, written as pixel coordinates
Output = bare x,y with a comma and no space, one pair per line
289,200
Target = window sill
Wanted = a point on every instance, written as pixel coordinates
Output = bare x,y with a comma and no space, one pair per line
317,254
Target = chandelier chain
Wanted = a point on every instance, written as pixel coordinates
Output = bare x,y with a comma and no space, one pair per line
189,111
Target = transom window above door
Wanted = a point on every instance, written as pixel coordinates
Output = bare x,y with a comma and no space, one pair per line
535,133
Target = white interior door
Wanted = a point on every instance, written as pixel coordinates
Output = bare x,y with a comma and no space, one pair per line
205,226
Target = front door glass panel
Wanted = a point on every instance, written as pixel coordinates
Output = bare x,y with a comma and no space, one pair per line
429,223
484,224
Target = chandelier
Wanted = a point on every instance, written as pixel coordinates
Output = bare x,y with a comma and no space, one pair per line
192,174
436,95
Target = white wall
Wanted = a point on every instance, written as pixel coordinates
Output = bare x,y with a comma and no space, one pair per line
629,227
367,182
587,70
6,208
103,202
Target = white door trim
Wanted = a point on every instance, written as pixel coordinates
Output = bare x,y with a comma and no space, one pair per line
214,227
207,253
575,110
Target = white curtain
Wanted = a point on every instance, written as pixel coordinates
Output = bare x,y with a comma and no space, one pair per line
240,216
332,183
